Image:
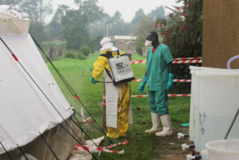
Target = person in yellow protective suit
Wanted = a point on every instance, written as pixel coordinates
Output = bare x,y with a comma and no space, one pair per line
123,98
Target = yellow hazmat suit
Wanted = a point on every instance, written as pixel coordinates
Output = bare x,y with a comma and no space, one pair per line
123,97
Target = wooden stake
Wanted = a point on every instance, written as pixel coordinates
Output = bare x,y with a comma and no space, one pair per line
104,112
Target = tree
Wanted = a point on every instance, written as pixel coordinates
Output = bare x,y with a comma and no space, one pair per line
37,31
99,27
139,15
90,9
157,13
36,9
146,25
116,25
85,50
55,26
139,48
117,17
13,4
182,32
75,30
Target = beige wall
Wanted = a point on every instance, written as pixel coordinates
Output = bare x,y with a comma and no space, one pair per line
121,44
220,33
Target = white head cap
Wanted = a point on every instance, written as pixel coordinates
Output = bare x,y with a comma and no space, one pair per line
107,43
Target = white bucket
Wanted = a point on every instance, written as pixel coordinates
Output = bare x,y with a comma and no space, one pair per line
221,150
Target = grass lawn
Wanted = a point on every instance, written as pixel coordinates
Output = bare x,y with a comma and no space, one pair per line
142,146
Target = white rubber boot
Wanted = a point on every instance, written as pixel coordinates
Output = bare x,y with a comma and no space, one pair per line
155,123
167,129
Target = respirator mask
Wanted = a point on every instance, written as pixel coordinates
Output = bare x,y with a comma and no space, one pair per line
147,43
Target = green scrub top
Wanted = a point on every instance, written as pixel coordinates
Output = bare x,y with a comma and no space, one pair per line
157,67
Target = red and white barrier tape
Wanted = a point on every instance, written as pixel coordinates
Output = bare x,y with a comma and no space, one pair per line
138,61
187,61
117,144
169,95
175,80
174,62
178,59
182,80
94,149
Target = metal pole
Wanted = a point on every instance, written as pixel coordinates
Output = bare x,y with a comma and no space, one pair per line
107,23
233,121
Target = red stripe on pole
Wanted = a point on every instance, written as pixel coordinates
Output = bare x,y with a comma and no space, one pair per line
15,57
76,97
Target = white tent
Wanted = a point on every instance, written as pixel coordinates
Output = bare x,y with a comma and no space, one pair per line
31,103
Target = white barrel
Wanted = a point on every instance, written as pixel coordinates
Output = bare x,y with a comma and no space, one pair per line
221,150
194,108
218,101
213,93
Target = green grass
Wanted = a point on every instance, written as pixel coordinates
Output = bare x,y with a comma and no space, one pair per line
142,146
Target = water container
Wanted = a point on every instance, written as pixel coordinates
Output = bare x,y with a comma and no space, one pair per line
194,108
218,98
214,103
194,101
221,150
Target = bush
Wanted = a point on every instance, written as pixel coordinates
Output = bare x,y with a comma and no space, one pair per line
54,48
81,56
71,54
139,48
51,53
85,50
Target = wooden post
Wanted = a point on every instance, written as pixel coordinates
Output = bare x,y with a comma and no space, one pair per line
220,33
104,112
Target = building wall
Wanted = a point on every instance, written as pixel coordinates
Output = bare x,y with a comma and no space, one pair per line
122,45
220,33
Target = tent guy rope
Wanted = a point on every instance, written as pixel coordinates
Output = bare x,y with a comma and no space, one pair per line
16,59
71,90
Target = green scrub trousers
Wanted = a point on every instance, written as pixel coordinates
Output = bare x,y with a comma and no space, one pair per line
158,102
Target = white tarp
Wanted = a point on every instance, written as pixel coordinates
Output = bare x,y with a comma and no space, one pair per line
25,110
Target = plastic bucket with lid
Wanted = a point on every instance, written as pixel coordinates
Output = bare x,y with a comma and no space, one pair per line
221,150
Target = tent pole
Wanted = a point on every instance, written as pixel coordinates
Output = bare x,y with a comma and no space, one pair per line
6,150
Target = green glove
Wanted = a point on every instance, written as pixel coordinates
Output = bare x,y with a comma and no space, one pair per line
92,80
170,81
142,85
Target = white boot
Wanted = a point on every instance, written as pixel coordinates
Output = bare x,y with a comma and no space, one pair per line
155,123
167,129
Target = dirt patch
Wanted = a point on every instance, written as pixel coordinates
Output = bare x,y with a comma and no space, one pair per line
169,148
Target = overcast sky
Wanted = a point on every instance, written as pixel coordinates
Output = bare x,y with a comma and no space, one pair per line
127,8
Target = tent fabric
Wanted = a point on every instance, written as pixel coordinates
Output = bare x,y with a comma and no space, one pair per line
61,143
25,110
12,23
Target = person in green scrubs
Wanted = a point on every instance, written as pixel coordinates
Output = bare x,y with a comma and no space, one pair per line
159,79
